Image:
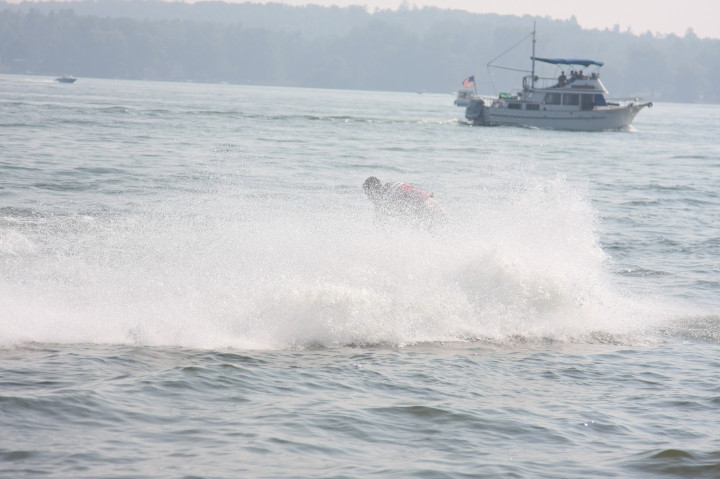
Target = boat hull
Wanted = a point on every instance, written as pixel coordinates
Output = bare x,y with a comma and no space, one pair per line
595,119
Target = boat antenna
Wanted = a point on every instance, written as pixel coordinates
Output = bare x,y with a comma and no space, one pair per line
490,64
533,56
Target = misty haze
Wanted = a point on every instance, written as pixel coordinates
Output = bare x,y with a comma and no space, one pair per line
426,49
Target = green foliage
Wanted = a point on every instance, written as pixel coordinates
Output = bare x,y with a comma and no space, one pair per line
331,47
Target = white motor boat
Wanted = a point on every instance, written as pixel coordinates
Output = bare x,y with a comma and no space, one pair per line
569,102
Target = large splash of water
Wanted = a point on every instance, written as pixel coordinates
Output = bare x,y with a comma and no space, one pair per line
305,270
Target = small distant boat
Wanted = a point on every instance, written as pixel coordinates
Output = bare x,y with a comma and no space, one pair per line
467,93
576,102
66,79
464,97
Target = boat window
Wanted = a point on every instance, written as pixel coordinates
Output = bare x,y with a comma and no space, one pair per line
600,100
514,106
532,106
571,99
552,98
587,102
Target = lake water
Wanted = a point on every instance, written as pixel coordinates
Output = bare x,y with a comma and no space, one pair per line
192,285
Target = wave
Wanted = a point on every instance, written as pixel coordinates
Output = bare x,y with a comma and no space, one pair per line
271,272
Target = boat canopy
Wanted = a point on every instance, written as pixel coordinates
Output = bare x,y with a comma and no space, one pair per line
573,61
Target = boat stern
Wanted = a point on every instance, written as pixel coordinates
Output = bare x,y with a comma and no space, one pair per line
476,111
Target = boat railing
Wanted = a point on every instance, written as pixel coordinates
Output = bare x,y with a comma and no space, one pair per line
542,83
627,101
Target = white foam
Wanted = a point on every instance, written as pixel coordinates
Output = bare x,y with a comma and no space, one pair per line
269,272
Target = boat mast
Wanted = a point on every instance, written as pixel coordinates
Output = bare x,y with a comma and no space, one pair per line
533,57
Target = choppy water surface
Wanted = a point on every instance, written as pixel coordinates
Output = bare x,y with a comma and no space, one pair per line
192,285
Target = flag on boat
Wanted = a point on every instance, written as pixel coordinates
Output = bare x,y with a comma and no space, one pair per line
469,81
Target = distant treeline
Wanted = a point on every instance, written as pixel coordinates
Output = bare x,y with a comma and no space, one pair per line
427,49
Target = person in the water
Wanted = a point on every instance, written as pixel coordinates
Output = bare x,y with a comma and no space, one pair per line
401,200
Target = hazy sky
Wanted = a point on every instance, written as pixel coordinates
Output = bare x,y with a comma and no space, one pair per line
657,16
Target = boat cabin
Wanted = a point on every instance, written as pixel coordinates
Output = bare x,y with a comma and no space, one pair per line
576,92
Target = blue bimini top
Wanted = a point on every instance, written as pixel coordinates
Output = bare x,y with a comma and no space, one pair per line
573,61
